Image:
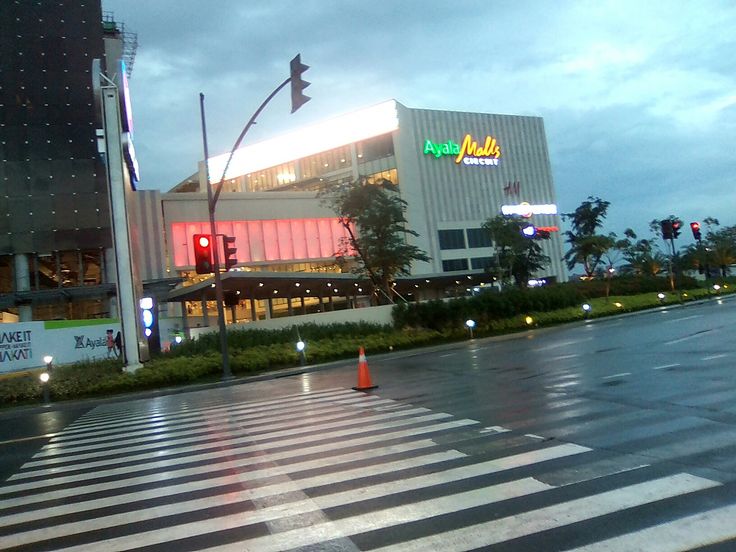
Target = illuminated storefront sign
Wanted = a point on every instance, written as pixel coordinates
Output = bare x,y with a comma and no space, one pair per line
467,153
524,209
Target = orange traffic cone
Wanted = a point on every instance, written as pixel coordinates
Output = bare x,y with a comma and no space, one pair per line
364,376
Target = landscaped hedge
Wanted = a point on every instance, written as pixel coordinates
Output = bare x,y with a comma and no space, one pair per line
247,338
485,308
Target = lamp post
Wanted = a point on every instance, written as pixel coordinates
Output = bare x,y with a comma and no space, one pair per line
297,99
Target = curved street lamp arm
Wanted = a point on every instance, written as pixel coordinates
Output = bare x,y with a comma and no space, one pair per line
250,123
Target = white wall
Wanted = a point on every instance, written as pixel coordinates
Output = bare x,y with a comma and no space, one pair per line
371,315
23,345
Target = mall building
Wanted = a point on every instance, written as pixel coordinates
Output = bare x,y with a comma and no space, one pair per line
455,170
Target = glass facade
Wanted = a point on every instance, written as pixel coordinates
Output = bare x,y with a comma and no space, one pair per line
454,265
482,263
373,158
479,237
451,239
62,269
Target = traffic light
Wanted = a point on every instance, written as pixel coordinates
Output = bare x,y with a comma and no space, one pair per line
230,260
666,229
298,85
676,224
203,253
695,227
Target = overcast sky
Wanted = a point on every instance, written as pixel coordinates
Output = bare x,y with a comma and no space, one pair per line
638,97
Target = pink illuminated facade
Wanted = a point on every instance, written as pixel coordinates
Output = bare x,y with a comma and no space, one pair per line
261,241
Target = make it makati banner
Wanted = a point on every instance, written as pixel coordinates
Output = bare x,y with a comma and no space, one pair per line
23,345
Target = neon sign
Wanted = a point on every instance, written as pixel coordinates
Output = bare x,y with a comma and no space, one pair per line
467,153
526,210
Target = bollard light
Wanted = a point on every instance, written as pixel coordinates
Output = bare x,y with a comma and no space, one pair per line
529,320
661,297
45,376
470,324
716,287
300,346
586,307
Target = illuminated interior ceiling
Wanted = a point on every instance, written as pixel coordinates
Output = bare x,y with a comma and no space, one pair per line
310,140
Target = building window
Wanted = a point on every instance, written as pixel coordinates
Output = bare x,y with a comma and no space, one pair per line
391,175
454,265
375,148
452,239
482,263
479,237
6,274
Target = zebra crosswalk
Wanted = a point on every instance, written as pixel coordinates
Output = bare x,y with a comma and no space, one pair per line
336,469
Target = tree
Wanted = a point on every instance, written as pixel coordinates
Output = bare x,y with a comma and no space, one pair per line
519,257
372,213
641,256
721,248
586,247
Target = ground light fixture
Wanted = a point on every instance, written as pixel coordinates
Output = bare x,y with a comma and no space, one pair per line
586,309
45,376
470,324
300,346
529,320
716,287
618,305
661,297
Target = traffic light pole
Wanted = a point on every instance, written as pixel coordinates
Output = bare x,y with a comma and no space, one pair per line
298,99
226,372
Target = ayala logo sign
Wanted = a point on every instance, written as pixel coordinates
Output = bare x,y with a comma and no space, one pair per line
470,152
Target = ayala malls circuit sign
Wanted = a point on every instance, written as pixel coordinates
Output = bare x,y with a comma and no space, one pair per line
469,152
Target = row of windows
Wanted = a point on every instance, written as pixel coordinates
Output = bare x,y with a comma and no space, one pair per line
455,239
56,270
477,263
311,173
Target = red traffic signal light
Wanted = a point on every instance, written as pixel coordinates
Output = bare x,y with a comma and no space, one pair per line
298,84
676,228
202,253
695,227
230,260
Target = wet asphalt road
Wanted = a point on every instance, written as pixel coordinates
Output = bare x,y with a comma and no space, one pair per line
648,397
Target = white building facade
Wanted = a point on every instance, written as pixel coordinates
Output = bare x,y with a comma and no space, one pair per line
455,171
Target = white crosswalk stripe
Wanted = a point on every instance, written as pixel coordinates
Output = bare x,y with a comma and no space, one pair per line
304,469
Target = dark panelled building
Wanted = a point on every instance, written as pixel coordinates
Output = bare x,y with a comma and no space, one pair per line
55,232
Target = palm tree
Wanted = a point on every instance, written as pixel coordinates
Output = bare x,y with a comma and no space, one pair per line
586,247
